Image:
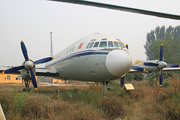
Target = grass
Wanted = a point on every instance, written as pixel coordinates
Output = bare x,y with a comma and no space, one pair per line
76,103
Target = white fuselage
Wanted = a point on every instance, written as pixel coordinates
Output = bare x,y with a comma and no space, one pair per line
97,57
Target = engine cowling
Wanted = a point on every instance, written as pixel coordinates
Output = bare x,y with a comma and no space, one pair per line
25,75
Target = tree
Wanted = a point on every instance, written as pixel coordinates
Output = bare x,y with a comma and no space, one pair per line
170,37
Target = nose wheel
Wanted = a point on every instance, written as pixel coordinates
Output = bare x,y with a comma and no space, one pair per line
104,87
104,83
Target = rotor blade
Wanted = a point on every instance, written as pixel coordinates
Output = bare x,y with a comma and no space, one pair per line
161,53
161,78
43,60
150,64
24,50
14,69
121,8
33,78
173,65
122,81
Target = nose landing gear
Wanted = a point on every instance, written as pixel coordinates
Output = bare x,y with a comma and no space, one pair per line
104,83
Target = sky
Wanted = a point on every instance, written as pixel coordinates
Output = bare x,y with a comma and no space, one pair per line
33,20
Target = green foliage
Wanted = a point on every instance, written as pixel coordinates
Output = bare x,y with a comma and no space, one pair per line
129,77
90,96
134,76
19,99
126,118
176,98
169,37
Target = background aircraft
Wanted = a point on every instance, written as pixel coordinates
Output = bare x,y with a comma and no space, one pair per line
64,65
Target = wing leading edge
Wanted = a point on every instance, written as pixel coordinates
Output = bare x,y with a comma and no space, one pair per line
39,72
121,8
145,71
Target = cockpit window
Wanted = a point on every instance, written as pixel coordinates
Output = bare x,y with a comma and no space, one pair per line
121,44
88,45
91,45
96,44
116,44
103,44
93,40
110,44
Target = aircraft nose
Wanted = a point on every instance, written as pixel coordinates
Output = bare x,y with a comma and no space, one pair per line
118,62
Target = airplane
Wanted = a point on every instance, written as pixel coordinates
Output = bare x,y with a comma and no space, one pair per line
96,58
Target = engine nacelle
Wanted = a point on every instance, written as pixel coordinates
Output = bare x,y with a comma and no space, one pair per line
25,74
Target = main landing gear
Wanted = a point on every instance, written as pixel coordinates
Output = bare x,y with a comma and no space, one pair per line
26,89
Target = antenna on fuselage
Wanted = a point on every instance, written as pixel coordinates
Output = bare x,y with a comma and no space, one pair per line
51,47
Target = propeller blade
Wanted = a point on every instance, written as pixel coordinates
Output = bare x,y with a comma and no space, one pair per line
127,46
43,60
122,81
161,53
173,65
33,79
150,64
14,69
138,68
161,78
24,50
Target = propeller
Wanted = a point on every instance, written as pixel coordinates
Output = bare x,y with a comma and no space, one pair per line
28,64
160,64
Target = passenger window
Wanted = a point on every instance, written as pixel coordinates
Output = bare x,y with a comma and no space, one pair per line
116,44
72,49
103,44
110,44
96,44
91,45
121,45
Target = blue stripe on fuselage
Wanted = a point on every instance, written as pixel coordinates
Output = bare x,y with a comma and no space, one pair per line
82,53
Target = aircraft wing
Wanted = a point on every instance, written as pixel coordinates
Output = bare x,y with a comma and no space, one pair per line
121,8
46,72
39,72
146,71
